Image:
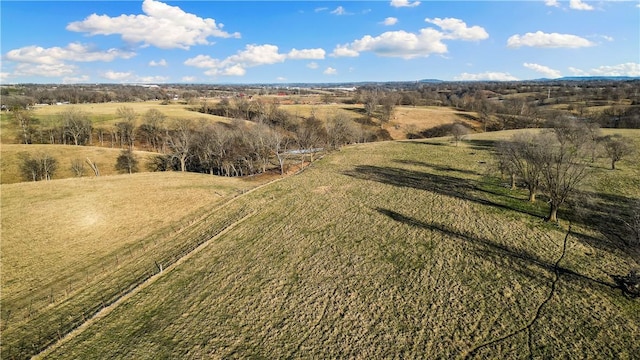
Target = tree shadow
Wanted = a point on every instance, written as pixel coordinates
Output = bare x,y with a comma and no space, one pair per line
467,116
488,145
604,213
465,189
521,259
435,167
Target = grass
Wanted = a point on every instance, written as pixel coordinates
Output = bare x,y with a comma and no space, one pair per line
71,246
105,159
382,250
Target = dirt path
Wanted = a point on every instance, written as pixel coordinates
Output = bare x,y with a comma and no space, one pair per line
108,309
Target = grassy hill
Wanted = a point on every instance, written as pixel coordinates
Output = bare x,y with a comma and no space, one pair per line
104,158
394,249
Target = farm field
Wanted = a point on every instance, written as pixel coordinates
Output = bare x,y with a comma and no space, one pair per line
64,239
379,250
104,157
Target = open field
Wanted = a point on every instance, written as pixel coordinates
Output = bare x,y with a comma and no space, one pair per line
105,158
386,249
105,110
64,241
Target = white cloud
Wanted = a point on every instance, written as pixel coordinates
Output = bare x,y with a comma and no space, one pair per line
75,79
552,3
411,45
234,70
189,79
4,76
404,3
118,76
486,76
340,11
330,71
312,65
162,26
320,9
161,62
306,54
390,21
47,70
281,78
544,40
203,61
344,51
579,5
546,71
457,29
253,55
626,69
72,52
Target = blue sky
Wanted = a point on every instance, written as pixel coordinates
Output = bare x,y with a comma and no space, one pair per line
156,41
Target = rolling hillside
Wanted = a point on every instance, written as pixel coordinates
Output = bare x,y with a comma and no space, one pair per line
393,249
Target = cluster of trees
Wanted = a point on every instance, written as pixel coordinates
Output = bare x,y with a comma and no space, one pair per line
40,167
270,139
245,148
556,160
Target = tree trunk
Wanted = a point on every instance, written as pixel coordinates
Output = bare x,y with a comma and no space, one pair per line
532,195
553,213
613,164
513,181
183,164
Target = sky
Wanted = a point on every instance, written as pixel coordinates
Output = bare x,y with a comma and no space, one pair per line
247,42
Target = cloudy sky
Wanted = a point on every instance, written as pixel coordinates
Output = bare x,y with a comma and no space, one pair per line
157,41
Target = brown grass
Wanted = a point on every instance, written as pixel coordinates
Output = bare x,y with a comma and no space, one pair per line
105,158
385,250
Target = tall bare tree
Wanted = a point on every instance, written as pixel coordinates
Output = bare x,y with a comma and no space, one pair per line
181,140
153,129
564,167
76,126
127,127
616,147
522,156
40,167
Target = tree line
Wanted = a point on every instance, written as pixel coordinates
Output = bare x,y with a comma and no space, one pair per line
272,139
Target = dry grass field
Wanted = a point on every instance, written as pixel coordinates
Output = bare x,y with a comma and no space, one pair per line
395,249
69,246
105,113
105,159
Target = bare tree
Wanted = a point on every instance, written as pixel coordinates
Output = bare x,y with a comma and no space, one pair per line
564,167
616,147
24,120
153,129
388,103
181,140
340,131
77,167
127,162
76,126
458,132
370,103
93,167
310,136
41,167
523,156
126,127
